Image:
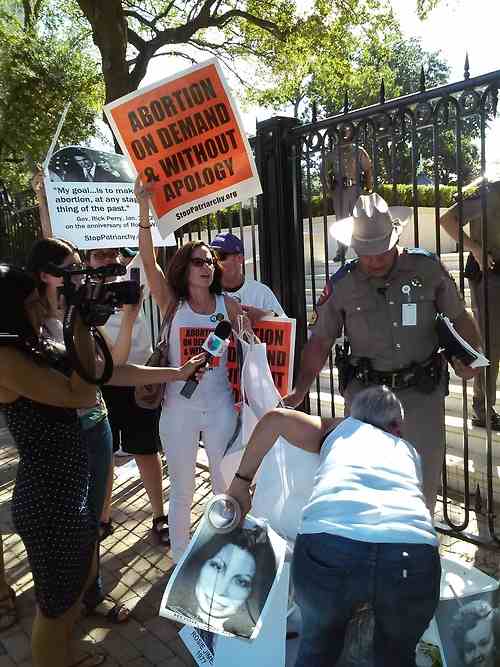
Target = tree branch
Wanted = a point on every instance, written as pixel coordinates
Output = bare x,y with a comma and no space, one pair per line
224,19
226,46
184,33
142,19
216,52
27,14
136,40
171,54
164,14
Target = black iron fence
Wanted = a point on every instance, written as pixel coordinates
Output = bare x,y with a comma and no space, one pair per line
422,148
19,225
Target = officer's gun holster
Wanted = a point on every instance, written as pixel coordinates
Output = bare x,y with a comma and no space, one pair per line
345,369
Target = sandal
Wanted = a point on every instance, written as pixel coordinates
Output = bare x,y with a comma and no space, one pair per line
112,611
8,611
90,660
106,529
160,530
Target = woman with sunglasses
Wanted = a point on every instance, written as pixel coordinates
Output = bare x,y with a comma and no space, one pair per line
190,295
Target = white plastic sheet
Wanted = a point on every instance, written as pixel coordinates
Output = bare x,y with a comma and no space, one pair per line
284,485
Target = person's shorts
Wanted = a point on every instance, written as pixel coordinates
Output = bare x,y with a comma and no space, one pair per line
134,429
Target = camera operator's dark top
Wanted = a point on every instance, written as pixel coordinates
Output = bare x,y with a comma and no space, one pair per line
49,504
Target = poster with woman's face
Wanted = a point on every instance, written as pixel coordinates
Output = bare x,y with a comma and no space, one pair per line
469,630
224,581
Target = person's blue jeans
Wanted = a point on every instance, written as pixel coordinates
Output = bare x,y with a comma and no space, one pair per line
99,443
333,575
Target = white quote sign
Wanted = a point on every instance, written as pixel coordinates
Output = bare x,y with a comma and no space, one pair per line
90,195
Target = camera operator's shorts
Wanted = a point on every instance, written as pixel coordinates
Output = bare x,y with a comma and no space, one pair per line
134,428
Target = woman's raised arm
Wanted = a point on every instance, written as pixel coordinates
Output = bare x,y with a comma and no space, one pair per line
157,281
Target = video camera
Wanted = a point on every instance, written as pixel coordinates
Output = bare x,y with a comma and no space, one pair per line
87,293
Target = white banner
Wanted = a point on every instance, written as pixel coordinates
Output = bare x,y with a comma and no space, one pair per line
90,195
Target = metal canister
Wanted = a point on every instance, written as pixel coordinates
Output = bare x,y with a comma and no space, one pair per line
223,513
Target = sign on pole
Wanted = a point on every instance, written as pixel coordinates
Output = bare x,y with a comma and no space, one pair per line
90,196
185,135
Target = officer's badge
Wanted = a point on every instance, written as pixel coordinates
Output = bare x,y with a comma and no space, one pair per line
325,294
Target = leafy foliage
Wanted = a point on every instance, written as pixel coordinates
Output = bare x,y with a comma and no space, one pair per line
320,59
39,73
399,195
129,34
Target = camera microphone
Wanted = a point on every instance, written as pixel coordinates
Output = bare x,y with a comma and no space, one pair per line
215,346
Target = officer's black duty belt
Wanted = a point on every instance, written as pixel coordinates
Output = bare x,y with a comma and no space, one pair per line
344,181
415,375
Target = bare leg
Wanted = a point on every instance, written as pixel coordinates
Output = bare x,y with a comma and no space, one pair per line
50,639
106,510
8,613
150,469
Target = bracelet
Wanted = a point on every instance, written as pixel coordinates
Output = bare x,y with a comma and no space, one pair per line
145,226
243,479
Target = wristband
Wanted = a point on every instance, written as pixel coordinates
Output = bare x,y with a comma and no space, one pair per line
243,479
145,226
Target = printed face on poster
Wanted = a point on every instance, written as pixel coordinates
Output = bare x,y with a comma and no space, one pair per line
184,134
470,630
224,581
90,195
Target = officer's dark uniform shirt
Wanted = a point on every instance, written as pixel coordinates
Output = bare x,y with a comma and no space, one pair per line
389,320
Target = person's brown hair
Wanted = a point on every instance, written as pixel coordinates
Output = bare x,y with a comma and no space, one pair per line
45,252
178,270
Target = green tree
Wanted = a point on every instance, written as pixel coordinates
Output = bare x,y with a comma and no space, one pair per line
322,58
39,73
129,34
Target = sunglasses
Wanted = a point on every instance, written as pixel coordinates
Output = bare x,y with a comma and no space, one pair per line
199,261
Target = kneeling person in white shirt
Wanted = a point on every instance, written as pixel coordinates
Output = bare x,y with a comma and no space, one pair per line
366,535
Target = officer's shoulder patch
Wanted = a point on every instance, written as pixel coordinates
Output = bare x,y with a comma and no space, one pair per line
344,270
337,276
422,252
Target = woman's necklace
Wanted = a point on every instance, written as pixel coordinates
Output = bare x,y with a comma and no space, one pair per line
205,309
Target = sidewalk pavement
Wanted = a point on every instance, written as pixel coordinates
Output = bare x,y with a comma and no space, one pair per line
134,572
